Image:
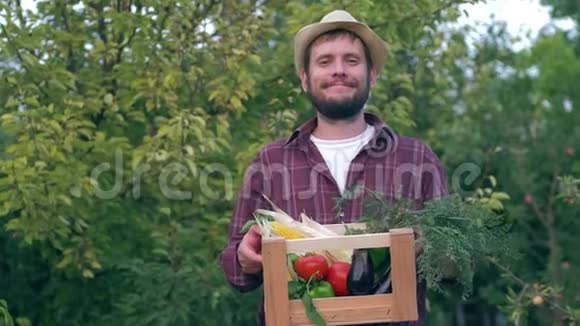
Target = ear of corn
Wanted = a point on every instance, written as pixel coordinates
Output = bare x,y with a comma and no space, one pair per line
284,231
279,223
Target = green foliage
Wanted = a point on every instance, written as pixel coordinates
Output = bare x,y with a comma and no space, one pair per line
126,127
569,189
115,117
5,318
465,233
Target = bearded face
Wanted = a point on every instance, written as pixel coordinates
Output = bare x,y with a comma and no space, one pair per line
338,80
346,104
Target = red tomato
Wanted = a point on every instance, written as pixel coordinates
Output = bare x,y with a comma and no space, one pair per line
337,277
306,266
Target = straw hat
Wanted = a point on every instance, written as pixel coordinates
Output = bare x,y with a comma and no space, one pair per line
340,19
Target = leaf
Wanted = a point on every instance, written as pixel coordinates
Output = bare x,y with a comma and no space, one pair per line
67,260
246,227
165,210
55,125
21,321
189,150
255,59
28,59
235,102
12,102
65,200
296,289
4,209
493,181
95,265
63,220
32,101
500,196
311,311
136,116
87,273
495,204
108,99
150,105
13,225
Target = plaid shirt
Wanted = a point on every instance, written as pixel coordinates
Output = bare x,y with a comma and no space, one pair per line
293,174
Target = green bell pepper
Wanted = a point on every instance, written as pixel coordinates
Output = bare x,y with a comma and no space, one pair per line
321,289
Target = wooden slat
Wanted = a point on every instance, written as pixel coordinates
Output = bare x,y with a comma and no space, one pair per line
376,240
275,281
403,273
346,310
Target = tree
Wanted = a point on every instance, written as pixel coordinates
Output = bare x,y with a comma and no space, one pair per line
516,119
125,137
117,111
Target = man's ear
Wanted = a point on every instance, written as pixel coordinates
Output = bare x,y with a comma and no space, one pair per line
373,77
304,79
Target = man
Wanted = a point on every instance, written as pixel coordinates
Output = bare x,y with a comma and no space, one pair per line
338,61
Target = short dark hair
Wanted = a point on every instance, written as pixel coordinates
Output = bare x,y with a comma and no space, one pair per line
331,35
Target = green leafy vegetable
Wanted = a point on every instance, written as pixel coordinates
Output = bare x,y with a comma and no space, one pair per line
311,310
452,229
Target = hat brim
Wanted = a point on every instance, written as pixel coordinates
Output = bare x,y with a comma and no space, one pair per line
378,49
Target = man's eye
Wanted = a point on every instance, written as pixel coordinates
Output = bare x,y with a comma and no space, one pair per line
353,61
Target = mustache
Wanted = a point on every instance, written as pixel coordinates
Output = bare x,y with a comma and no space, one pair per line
348,83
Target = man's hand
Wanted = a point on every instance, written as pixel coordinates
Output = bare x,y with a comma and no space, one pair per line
250,251
449,266
419,241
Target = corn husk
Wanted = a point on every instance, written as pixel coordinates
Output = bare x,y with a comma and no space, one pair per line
306,227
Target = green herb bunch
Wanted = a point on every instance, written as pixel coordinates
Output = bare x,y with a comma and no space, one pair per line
455,233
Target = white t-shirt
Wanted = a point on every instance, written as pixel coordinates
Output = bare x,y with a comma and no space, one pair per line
339,153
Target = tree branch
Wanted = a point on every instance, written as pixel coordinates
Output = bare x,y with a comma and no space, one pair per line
70,64
101,21
415,14
10,41
552,196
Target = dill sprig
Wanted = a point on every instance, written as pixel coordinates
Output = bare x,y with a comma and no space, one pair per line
452,229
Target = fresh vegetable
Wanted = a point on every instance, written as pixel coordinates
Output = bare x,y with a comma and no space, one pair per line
384,286
290,259
271,220
321,289
285,231
361,276
295,289
309,265
452,226
337,277
306,291
381,258
311,311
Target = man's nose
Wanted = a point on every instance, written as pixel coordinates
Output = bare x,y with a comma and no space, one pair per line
339,68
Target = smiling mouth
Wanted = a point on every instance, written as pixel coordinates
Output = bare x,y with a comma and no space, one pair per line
342,84
339,85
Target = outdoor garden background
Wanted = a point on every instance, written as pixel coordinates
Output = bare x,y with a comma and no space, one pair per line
126,126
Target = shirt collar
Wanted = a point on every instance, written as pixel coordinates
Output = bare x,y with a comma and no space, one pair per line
383,139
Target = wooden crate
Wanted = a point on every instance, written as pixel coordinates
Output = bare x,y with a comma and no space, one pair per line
400,305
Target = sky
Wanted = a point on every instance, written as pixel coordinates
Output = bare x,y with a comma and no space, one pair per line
522,16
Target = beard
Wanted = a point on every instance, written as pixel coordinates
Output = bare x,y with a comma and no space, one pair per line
340,109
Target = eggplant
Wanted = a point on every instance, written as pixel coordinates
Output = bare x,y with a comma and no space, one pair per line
361,277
